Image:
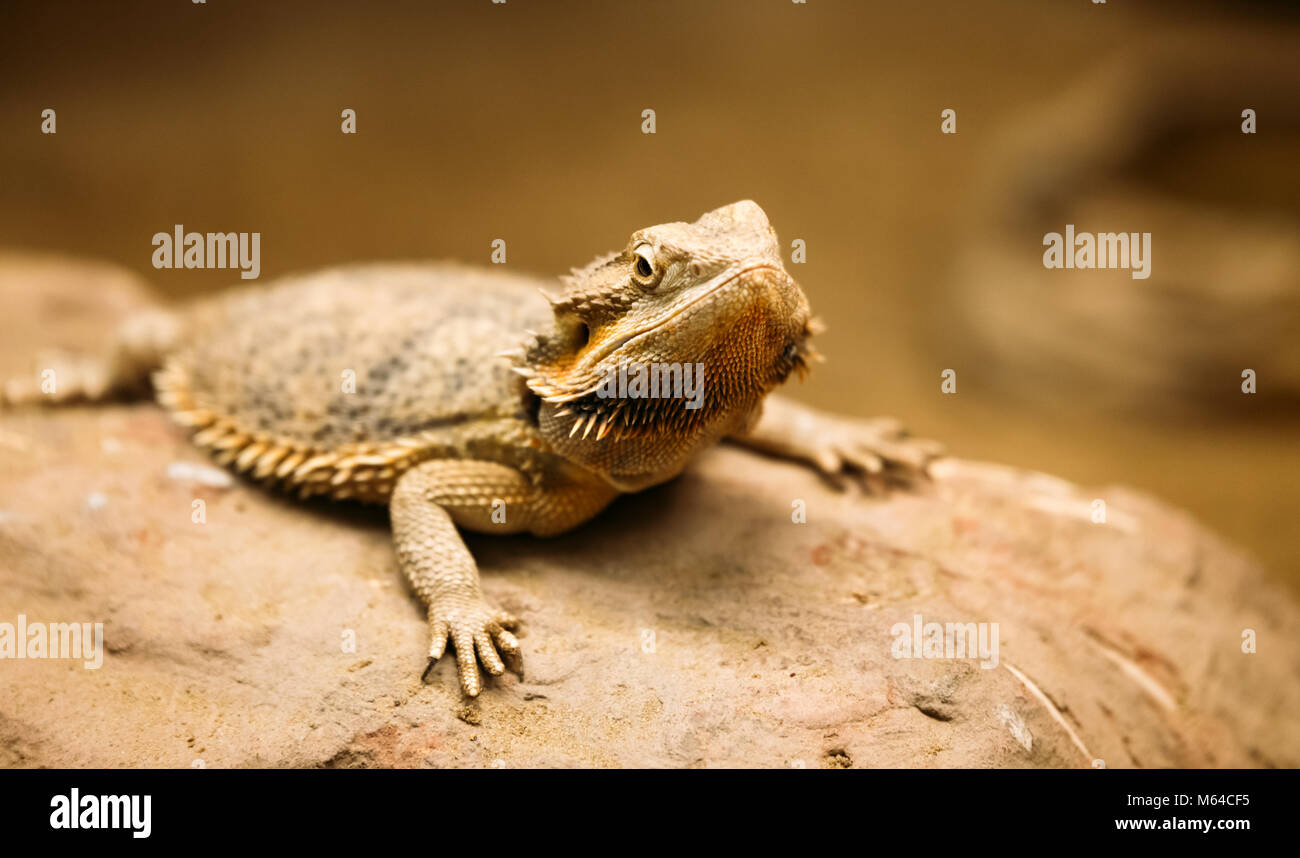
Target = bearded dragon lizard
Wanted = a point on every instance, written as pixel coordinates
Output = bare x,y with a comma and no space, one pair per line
462,398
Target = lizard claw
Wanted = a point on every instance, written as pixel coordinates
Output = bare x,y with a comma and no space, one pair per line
476,631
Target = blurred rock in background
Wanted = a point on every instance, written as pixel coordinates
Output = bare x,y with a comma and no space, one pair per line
1151,142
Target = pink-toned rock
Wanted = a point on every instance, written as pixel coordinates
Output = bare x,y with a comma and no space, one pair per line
692,625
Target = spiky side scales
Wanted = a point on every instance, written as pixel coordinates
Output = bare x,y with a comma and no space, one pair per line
338,382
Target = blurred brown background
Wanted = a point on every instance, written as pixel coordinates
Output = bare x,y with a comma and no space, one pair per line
522,121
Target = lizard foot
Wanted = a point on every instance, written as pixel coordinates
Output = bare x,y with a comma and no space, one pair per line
472,626
877,448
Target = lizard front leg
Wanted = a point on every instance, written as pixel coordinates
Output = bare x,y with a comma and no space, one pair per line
428,503
834,444
439,566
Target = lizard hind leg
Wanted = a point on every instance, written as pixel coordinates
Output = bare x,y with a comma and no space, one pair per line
138,348
440,568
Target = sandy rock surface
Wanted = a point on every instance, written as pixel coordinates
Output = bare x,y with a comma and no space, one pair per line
692,625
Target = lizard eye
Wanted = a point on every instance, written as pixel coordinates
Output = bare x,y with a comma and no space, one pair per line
644,270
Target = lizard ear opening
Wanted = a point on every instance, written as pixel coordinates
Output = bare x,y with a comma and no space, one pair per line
571,334
550,363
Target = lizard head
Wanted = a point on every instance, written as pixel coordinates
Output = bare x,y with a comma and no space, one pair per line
664,347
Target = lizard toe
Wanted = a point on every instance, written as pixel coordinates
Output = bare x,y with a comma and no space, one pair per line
466,661
864,459
487,653
437,639
507,643
506,620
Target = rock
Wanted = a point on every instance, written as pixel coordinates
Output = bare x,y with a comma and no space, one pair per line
693,625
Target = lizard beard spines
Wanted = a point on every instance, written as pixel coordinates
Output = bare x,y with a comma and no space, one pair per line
583,414
593,418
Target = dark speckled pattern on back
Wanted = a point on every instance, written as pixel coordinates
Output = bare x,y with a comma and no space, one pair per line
421,341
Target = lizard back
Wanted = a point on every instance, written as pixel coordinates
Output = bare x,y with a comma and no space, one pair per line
335,382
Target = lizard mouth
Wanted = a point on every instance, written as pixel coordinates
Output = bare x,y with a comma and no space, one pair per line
718,283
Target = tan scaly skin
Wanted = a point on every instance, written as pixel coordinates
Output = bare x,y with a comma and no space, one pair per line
463,398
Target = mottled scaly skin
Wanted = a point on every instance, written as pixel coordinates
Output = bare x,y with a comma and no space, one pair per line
338,382
468,399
